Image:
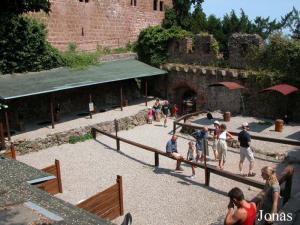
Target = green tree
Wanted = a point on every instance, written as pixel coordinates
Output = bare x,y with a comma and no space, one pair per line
17,7
198,20
292,22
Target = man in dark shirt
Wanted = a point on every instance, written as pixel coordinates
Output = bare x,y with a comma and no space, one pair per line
200,135
245,150
165,112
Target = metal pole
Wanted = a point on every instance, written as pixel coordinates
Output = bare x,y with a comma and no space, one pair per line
89,107
7,125
52,111
146,93
121,97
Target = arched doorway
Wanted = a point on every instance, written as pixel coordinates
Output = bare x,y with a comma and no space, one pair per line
189,99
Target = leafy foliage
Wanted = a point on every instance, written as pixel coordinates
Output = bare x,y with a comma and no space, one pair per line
81,138
17,7
153,42
292,22
23,46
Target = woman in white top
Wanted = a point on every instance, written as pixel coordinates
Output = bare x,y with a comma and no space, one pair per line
222,145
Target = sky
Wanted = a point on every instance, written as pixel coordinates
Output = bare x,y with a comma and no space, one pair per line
273,8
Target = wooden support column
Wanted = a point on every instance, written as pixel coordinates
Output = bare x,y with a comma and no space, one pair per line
156,158
7,125
52,111
146,92
2,135
117,139
90,108
120,184
121,97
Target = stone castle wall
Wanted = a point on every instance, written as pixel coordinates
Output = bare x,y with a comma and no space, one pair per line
93,24
183,77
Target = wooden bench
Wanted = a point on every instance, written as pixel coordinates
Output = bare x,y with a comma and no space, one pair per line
53,186
107,204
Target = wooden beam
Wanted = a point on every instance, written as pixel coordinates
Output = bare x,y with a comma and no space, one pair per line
52,111
120,184
146,92
121,97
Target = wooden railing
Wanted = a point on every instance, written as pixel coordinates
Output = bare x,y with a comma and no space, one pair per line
177,123
53,186
285,179
107,204
208,168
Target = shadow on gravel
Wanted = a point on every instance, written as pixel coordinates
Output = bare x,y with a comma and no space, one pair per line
185,180
220,221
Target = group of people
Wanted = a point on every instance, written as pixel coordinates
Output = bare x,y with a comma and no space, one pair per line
245,212
159,110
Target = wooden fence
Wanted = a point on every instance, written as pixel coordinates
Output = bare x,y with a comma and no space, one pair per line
107,204
11,153
177,123
208,168
53,186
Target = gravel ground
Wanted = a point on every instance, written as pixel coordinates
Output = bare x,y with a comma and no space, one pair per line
153,196
33,131
290,132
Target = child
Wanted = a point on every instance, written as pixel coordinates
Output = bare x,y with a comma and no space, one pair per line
175,110
150,115
190,156
222,145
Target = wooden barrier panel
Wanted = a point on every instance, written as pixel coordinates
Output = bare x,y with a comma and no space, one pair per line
107,204
52,186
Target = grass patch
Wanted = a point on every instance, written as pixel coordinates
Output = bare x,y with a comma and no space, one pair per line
81,138
79,59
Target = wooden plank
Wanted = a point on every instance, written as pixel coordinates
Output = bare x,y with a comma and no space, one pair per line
50,169
120,184
52,186
110,214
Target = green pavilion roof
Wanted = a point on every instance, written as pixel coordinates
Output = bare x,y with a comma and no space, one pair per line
27,84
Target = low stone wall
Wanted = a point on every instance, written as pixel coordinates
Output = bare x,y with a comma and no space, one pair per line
26,146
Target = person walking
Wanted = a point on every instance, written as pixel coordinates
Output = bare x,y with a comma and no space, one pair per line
245,213
165,112
171,149
245,150
222,145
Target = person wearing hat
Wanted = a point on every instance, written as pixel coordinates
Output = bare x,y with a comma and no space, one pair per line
245,150
216,139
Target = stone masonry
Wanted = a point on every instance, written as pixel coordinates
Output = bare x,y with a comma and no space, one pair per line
240,45
25,146
93,24
202,52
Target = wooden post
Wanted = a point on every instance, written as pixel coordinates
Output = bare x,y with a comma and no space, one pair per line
90,111
117,129
174,127
2,139
156,158
52,111
121,97
207,173
58,175
166,86
7,125
13,151
93,131
120,184
146,93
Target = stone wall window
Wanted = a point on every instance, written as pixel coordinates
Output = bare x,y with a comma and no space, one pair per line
155,2
133,2
161,5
